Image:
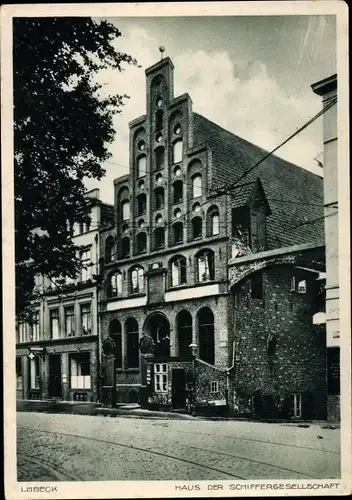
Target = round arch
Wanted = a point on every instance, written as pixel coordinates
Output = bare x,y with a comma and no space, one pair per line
157,326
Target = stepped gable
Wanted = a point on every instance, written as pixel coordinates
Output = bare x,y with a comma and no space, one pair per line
281,180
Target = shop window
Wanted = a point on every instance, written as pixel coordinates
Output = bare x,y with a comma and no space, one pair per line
160,377
70,321
141,242
214,387
177,151
257,286
54,323
80,371
206,335
137,280
115,285
19,379
125,247
178,271
159,198
34,373
197,227
197,186
35,326
125,210
141,204
141,166
184,332
86,319
205,266
132,343
178,192
115,333
159,157
177,231
297,405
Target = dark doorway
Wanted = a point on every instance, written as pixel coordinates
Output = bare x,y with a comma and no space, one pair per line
178,389
158,327
55,376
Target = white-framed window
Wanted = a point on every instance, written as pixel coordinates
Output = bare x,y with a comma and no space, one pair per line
205,266
70,329
34,372
86,272
86,319
137,280
125,208
302,286
80,371
141,166
54,323
115,285
214,386
177,152
197,186
36,326
178,272
22,332
293,284
160,377
297,405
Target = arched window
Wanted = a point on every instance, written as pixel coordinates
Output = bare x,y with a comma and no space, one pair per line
177,233
115,333
159,237
205,266
196,186
159,197
184,332
206,335
125,210
197,227
159,157
137,280
109,249
125,247
177,151
178,268
141,242
141,204
141,166
115,285
213,221
132,350
177,192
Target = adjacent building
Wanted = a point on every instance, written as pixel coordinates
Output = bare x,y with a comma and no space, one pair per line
58,356
208,293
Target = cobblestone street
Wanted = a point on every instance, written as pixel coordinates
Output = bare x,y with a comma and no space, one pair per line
71,447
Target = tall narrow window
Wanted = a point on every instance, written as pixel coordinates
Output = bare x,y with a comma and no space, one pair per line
115,285
213,221
54,323
132,343
137,280
178,192
159,116
177,230
206,335
86,272
19,384
115,333
205,266
141,204
178,271
197,186
22,332
141,242
141,166
257,286
197,227
70,321
125,247
34,372
125,210
297,405
159,237
177,152
109,249
159,198
86,319
159,157
184,332
80,371
35,326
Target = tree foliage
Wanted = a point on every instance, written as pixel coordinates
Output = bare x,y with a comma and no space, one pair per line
62,127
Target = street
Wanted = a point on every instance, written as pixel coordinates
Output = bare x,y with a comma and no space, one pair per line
55,447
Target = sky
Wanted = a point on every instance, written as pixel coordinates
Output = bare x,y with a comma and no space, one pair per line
249,74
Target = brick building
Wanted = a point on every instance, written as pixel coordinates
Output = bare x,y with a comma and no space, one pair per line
58,356
167,296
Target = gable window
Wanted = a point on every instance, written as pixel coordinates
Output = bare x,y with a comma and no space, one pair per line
141,242
197,186
109,249
178,271
197,224
178,192
137,280
257,286
205,266
86,319
159,198
177,231
125,247
115,333
132,347
125,210
177,151
54,323
160,377
159,157
141,204
70,321
141,166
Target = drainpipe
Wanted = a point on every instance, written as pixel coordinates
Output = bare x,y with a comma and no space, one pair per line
97,287
228,370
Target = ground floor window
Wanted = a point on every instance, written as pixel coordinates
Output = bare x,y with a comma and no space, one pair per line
297,405
206,335
34,373
80,371
160,377
19,373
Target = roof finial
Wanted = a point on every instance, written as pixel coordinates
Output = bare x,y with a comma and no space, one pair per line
161,50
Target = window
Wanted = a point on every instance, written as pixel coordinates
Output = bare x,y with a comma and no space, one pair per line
109,249
34,373
177,152
141,145
159,157
86,272
159,237
70,321
125,210
115,333
177,230
293,284
141,166
125,247
141,204
178,192
19,381
159,116
22,332
178,271
141,185
86,319
197,186
213,221
115,285
184,332
132,347
137,280
214,386
206,335
35,326
177,129
54,323
159,198
80,371
297,405
205,264
197,224
302,286
160,377
141,242
159,102
257,286
177,172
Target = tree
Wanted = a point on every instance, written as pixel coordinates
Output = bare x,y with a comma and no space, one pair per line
62,126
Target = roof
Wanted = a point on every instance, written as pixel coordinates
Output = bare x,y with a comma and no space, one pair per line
295,195
241,194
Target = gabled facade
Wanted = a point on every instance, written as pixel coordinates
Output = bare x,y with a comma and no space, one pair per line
166,299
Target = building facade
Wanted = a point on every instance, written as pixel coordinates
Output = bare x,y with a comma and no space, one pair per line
167,300
58,356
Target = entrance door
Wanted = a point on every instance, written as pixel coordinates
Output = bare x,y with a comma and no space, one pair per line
55,376
178,389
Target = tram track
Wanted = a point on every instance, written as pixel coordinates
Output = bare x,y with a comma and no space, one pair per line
57,472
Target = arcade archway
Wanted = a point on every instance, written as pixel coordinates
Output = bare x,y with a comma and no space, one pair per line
157,326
